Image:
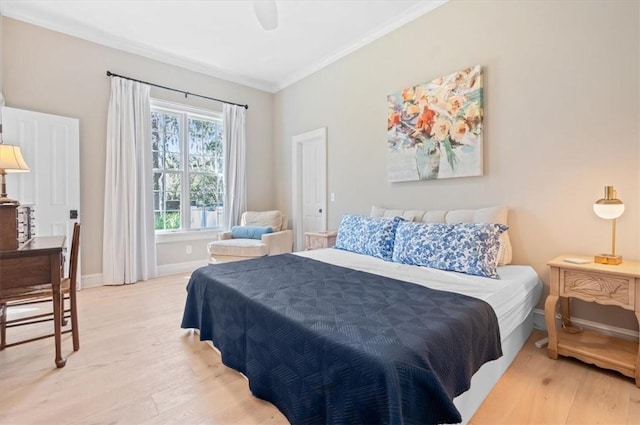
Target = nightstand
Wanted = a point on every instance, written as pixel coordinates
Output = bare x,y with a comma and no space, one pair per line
599,283
319,240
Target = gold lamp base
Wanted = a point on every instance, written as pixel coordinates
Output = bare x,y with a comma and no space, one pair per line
613,260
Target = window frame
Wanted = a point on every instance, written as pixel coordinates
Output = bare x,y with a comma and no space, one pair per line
185,233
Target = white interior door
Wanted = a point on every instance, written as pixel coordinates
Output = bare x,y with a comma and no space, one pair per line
50,145
309,184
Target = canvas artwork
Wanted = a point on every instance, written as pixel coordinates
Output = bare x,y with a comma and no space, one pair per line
434,130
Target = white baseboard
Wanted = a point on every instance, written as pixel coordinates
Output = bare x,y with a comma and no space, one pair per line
90,280
167,269
93,280
538,320
539,323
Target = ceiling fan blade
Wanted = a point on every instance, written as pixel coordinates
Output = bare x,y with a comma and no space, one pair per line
267,13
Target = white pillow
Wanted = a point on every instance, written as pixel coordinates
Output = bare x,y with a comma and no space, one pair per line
483,215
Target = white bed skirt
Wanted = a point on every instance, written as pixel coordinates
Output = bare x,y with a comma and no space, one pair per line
488,375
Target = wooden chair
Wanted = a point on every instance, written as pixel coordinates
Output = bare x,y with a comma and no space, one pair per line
10,298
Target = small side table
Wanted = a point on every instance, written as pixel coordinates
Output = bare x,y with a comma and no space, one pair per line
604,284
319,240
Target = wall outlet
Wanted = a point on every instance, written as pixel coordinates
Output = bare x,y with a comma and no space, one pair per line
189,250
333,197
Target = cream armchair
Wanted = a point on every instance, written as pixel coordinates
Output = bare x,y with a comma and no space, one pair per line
226,249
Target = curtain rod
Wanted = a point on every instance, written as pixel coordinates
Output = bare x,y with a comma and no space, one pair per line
186,93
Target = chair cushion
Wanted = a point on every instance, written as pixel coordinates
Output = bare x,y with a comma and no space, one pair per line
238,248
273,219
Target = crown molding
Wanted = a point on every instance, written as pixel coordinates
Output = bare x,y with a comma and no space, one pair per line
24,12
76,29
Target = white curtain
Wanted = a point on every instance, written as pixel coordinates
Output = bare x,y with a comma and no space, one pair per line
235,186
128,249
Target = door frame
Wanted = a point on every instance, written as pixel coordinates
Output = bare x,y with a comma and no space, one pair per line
315,136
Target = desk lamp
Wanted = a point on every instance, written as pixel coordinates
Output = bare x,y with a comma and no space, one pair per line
609,208
11,161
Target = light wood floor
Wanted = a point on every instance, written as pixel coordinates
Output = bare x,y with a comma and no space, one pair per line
136,366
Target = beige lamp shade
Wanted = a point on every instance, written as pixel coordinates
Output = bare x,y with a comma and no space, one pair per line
11,160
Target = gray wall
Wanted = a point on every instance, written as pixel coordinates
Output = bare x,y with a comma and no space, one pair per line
561,122
50,72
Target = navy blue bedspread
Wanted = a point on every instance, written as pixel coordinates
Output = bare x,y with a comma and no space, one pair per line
332,345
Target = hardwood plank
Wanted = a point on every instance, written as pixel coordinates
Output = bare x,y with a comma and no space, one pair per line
600,399
136,366
634,407
547,385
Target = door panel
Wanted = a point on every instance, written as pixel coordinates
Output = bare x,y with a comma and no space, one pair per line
50,145
309,184
311,190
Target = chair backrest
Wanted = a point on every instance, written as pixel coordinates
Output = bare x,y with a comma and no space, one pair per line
274,219
75,253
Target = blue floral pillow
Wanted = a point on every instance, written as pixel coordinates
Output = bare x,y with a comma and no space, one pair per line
470,248
368,235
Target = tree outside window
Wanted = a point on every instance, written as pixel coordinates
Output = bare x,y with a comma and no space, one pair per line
187,169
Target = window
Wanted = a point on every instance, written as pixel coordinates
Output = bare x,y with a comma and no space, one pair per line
187,167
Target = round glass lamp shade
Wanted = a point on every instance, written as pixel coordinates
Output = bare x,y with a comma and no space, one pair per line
608,208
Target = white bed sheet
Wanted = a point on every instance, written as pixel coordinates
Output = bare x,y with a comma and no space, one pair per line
512,297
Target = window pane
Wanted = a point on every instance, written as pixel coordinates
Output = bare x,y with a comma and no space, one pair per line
202,163
167,194
171,125
195,143
157,160
167,220
165,137
157,121
206,201
172,161
155,140
205,145
172,143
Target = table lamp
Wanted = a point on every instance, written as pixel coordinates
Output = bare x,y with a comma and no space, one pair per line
11,161
609,208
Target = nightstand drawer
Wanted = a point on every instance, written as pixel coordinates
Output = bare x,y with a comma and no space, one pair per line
596,287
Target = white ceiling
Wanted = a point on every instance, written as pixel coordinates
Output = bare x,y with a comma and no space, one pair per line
223,38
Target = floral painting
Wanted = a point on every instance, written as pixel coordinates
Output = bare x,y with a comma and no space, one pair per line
434,130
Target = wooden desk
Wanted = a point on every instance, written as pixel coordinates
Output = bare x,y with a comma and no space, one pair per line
37,262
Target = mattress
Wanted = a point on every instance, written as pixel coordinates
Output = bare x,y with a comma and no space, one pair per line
512,297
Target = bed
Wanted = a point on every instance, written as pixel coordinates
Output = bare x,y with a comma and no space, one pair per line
332,336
